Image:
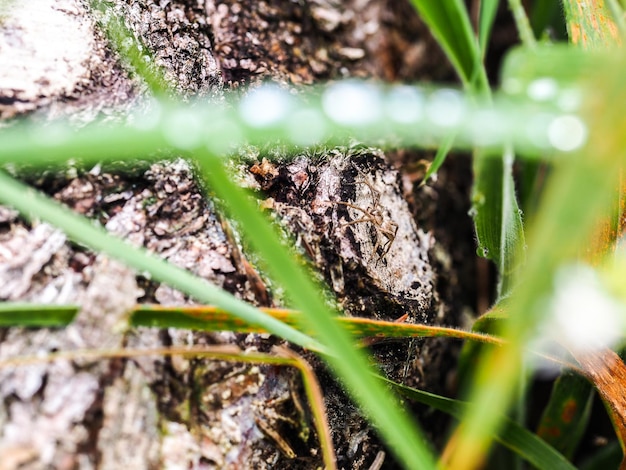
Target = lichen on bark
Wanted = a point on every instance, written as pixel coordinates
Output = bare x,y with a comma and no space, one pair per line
345,209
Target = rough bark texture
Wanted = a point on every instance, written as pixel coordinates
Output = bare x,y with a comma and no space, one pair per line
345,208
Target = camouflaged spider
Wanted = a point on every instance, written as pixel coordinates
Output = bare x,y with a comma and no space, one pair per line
386,229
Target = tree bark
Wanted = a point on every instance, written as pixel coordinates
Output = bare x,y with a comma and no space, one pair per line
345,208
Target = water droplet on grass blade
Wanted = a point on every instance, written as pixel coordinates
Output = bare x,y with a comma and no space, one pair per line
148,118
584,315
404,104
542,89
222,135
570,100
53,134
306,127
536,130
182,129
265,106
446,108
353,103
482,251
567,133
487,127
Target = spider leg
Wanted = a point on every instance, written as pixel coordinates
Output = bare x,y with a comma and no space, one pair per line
358,221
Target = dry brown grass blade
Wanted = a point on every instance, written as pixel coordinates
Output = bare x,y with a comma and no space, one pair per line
316,400
606,370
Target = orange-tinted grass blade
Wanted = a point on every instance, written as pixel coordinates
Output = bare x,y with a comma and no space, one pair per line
606,370
589,24
210,318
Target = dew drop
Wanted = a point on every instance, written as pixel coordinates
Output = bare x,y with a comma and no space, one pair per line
404,104
352,103
182,129
542,89
445,108
585,316
536,128
482,251
148,118
487,127
570,100
478,199
222,135
306,127
53,134
265,106
567,133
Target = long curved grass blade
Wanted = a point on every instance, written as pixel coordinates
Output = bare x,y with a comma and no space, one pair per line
577,196
417,116
523,25
440,157
25,314
33,204
591,27
316,402
209,318
129,47
348,362
521,441
486,18
449,22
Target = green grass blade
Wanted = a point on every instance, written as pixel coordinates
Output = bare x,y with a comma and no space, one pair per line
440,157
566,416
129,47
449,23
546,14
562,64
523,25
24,314
521,441
498,221
33,204
486,18
497,217
617,15
348,361
577,196
590,25
498,236
149,136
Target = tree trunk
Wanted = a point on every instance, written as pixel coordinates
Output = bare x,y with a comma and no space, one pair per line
346,208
